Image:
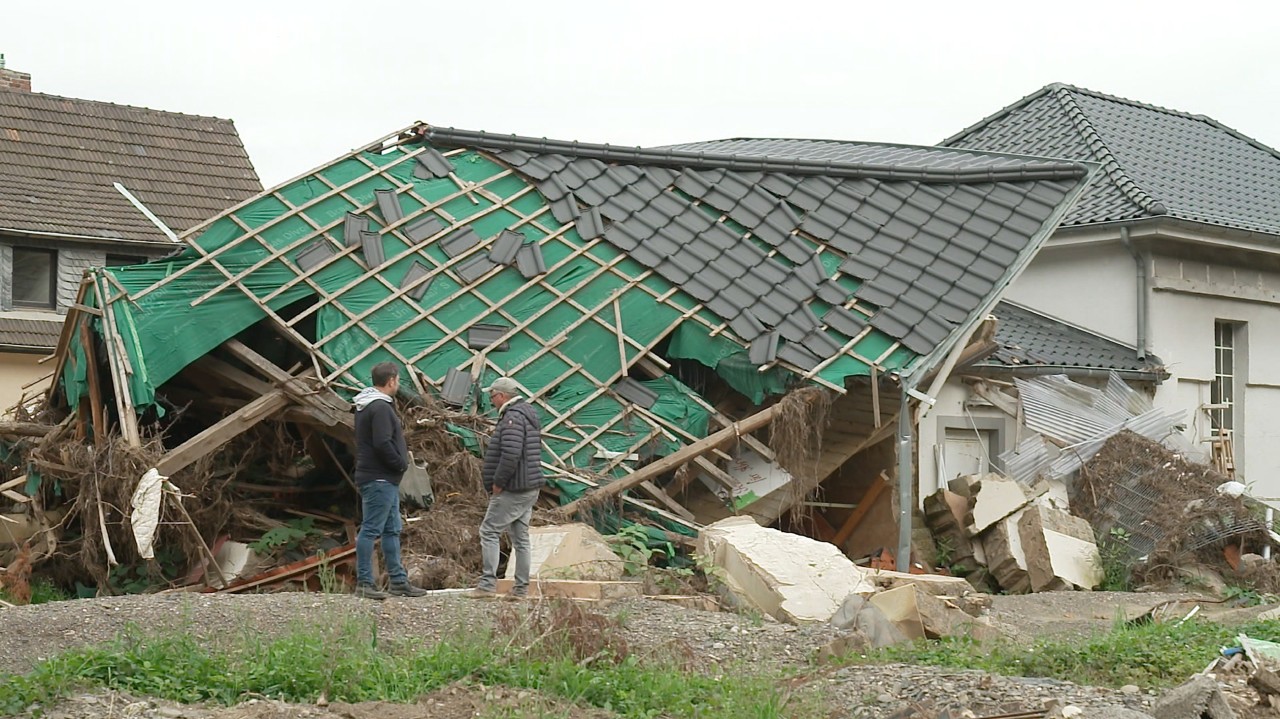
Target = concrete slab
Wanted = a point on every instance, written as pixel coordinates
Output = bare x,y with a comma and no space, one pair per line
1059,550
935,584
570,551
787,576
996,499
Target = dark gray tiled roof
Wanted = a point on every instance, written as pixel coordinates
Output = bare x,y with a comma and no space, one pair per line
29,334
927,242
1030,339
1155,161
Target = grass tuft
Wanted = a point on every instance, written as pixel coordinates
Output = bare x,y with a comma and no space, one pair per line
348,663
1150,656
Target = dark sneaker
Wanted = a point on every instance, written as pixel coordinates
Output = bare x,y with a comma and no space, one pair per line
368,591
405,590
480,594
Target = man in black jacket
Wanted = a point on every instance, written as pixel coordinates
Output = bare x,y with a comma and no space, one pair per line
381,460
513,478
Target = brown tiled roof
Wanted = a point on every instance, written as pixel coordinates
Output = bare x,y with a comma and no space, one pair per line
16,333
59,157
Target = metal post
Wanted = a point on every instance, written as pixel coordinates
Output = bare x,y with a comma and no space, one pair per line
906,476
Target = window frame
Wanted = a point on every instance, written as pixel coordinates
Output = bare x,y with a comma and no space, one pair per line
1222,391
52,304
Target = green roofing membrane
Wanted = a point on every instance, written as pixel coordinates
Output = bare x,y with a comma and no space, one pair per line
562,338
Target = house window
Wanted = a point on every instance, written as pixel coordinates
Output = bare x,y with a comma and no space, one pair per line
1223,390
35,278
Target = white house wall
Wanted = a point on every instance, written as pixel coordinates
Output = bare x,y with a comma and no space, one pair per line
1091,286
17,370
950,411
1186,300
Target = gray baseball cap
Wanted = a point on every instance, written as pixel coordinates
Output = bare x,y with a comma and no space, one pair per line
505,385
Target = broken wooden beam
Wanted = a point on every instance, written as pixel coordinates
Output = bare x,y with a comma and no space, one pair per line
224,431
335,409
25,429
677,458
864,505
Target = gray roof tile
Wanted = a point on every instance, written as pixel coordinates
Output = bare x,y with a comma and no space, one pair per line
474,268
506,246
1027,338
352,226
844,321
416,272
894,211
529,260
389,206
422,228
459,241
431,164
1155,161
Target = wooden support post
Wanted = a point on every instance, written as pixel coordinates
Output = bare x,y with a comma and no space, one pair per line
119,377
864,505
678,458
97,414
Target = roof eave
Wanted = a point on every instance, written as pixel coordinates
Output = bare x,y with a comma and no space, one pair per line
71,237
912,374
1155,375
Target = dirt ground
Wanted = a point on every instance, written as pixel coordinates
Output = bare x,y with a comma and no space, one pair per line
716,641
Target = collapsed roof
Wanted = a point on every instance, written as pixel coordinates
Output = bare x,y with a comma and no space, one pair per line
466,255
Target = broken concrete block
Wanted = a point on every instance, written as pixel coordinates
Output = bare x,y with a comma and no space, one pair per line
857,613
1059,550
570,551
1200,698
996,499
787,576
935,584
235,560
920,615
1005,558
1273,613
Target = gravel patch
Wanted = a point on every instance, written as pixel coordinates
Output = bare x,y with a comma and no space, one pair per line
692,638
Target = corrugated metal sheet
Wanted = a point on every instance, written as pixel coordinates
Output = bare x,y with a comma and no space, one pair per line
1029,460
1079,419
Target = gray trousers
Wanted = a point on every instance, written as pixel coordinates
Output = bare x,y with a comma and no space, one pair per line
509,512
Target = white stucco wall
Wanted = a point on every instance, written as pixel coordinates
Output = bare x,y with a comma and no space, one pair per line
1093,286
17,370
950,410
1186,300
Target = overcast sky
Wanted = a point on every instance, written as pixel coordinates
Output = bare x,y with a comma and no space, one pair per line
308,82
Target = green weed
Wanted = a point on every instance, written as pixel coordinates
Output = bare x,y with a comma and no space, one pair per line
1148,655
347,663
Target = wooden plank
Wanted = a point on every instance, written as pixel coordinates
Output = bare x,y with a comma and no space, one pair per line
232,375
864,506
326,402
119,377
677,458
224,431
664,499
25,429
97,413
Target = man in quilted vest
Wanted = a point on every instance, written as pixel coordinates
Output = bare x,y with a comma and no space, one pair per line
513,478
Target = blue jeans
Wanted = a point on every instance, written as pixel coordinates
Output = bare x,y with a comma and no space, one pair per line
380,503
509,512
